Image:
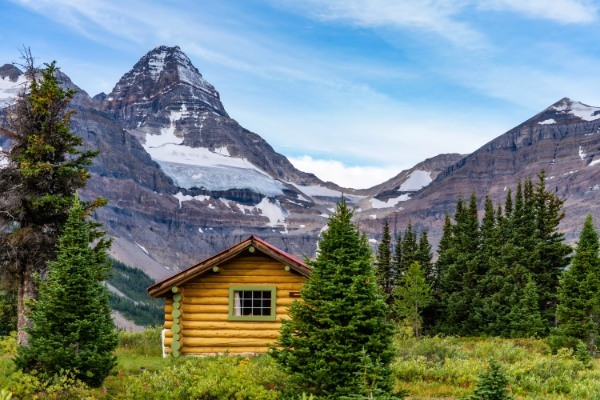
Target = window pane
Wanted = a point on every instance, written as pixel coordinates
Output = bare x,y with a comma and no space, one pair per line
252,302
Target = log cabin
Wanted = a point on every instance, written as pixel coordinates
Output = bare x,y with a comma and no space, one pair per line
232,302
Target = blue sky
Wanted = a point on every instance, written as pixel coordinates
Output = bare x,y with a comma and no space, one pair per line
352,90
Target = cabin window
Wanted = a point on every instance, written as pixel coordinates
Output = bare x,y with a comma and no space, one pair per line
252,303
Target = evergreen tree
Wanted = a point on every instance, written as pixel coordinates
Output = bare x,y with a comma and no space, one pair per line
385,268
578,310
424,257
45,168
551,254
492,384
412,297
72,326
525,318
341,319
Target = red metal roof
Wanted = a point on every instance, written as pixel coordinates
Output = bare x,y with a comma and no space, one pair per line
192,272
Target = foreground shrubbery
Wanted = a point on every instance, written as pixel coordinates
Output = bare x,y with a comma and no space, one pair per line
449,367
427,368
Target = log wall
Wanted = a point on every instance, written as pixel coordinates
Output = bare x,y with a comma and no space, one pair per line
203,317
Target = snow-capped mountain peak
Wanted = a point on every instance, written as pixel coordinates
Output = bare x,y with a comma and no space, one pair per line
577,109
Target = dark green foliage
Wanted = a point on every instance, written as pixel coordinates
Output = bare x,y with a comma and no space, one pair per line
386,274
492,384
72,326
494,273
578,311
138,306
45,167
340,322
8,312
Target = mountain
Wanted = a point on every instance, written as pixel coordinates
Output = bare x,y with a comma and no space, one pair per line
184,180
563,140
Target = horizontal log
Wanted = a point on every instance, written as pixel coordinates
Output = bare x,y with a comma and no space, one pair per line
216,309
223,342
268,335
205,292
229,271
255,325
200,288
187,317
264,280
213,351
209,301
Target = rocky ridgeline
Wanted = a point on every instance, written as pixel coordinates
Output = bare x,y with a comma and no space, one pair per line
183,180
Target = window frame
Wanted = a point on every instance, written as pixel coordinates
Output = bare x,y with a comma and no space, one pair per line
252,288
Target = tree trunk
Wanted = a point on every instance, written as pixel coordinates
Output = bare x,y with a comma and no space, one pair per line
27,290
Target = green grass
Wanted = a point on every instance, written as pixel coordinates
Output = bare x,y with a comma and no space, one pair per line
429,368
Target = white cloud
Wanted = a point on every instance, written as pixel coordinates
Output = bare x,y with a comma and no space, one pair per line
434,16
356,177
562,11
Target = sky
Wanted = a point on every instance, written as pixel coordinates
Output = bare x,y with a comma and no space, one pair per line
354,91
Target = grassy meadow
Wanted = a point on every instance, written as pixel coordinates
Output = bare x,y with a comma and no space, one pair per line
428,368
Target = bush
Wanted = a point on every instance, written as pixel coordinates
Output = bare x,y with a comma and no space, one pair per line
209,378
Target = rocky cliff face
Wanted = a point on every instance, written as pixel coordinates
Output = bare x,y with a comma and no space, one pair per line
183,180
563,140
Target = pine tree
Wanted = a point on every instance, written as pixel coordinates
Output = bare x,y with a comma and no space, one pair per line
551,254
72,325
578,310
45,168
412,297
424,257
340,320
492,384
385,268
525,318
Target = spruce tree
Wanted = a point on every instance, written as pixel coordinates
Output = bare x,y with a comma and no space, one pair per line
551,253
578,310
412,297
385,268
340,322
45,167
72,326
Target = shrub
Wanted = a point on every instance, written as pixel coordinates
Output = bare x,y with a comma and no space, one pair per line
209,378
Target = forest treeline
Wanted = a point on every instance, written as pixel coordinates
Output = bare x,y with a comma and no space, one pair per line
508,273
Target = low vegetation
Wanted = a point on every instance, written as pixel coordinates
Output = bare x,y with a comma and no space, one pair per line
428,368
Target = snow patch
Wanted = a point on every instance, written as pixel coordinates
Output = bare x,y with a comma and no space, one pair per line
9,89
547,122
582,154
142,248
390,203
416,180
222,151
373,216
594,162
200,230
186,197
373,241
579,110
273,211
318,191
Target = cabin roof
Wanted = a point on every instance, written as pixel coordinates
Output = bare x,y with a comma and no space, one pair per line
161,288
